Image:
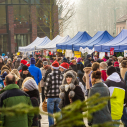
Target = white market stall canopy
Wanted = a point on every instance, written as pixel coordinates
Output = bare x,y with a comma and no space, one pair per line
37,42
52,44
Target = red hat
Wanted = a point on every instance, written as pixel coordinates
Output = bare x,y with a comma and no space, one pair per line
28,65
116,64
64,66
24,62
55,65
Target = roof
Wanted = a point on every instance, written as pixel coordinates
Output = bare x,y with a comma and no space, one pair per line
122,19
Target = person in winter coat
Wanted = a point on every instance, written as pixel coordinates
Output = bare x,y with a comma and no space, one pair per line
63,67
120,59
11,95
5,59
17,63
39,64
73,65
42,83
103,68
30,87
35,71
95,67
51,88
24,74
117,88
23,62
87,61
80,65
48,70
10,63
103,115
65,60
86,77
1,63
70,90
124,68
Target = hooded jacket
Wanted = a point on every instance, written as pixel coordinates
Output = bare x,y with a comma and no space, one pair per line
117,88
36,72
11,95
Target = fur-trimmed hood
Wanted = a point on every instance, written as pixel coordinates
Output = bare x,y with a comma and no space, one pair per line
87,69
70,73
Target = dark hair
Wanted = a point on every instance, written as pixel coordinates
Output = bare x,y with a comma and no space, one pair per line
96,75
124,63
111,70
95,66
10,80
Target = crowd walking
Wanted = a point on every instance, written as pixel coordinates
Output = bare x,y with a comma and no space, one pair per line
60,82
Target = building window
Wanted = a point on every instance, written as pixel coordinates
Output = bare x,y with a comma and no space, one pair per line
21,16
21,40
3,43
2,17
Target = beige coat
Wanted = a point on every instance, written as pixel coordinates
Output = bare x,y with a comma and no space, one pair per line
122,72
87,71
43,71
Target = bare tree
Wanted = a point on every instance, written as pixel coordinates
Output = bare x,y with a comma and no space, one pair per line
48,13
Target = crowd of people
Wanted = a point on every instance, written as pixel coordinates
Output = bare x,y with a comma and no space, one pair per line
62,81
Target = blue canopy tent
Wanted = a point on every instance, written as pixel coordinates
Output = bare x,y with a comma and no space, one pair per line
99,38
80,37
118,43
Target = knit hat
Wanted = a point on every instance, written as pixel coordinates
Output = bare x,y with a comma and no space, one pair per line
104,65
111,70
64,66
64,59
78,60
6,57
24,62
24,68
32,61
73,61
55,65
3,54
88,56
72,58
4,75
45,63
30,84
116,64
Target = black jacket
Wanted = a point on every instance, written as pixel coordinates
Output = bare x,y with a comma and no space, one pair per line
46,74
79,95
34,96
20,81
87,62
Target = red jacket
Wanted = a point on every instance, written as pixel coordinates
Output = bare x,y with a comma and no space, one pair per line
103,75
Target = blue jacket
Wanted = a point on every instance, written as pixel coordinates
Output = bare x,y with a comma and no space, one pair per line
36,72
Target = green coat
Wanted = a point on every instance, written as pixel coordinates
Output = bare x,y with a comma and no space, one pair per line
11,95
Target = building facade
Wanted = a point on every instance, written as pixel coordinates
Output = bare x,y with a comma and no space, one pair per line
121,24
20,23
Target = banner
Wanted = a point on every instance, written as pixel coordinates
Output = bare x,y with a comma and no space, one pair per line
112,51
